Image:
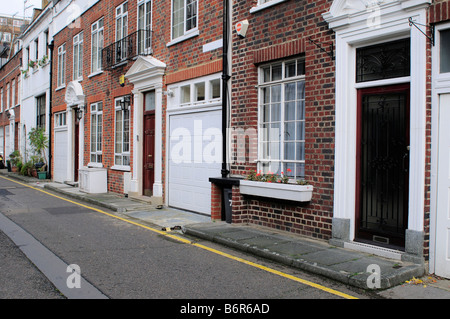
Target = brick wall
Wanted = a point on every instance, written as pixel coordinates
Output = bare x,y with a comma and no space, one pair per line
279,32
185,60
9,72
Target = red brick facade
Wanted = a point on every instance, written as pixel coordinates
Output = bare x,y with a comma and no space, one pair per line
280,32
9,73
184,60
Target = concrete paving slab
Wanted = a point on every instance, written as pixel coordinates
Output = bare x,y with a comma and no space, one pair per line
331,256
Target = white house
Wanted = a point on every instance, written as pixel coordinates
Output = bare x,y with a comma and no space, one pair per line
35,110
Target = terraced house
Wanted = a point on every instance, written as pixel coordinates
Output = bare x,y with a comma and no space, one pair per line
129,84
326,119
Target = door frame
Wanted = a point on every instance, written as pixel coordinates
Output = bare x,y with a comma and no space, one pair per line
396,88
152,114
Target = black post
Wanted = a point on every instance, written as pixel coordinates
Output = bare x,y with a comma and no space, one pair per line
225,78
51,47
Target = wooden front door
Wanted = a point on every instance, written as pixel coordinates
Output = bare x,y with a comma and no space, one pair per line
148,177
382,165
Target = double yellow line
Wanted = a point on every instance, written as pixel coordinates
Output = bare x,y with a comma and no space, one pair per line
187,241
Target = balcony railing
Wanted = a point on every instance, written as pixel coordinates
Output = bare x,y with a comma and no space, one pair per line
134,44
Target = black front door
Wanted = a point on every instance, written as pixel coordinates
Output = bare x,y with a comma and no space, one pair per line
383,165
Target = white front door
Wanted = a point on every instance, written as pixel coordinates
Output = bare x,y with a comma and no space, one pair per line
60,156
195,155
443,190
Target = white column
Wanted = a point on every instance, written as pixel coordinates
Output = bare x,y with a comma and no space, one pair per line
157,185
137,136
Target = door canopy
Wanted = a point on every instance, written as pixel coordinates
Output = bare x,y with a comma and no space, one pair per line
74,94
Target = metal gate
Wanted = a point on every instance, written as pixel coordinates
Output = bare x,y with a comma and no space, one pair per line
383,165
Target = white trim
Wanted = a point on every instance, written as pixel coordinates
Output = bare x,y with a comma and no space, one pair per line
146,74
440,85
266,5
353,30
192,33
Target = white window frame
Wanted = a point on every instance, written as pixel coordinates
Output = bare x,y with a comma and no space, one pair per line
8,95
209,81
13,92
36,49
265,162
264,4
96,155
60,120
121,154
144,45
2,140
97,37
41,117
1,100
19,91
186,34
61,81
78,57
121,31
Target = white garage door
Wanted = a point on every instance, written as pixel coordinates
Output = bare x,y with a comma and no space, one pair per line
195,155
443,196
60,156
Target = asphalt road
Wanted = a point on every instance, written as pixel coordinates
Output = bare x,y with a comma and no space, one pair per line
125,261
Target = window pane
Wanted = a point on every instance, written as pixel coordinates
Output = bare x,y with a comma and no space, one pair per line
289,131
289,91
266,74
264,132
99,132
118,147
93,132
215,89
186,94
289,111
266,95
300,134
275,150
276,93
300,110
300,67
289,151
445,51
276,72
191,14
200,91
301,90
150,101
383,61
266,113
290,69
275,112
300,149
177,18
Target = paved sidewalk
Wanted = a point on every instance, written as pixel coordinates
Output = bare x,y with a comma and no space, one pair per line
344,265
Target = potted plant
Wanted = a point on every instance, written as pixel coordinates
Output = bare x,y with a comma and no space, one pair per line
32,64
275,186
39,143
14,159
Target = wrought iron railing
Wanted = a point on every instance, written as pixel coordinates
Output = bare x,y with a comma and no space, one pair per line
134,44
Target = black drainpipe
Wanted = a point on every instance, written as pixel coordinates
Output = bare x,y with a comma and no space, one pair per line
50,46
225,78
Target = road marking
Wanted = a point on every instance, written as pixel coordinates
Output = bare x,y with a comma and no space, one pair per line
189,242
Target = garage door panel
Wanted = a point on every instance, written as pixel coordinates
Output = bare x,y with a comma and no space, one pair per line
191,162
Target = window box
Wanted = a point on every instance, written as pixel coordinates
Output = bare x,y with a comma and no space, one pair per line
292,192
